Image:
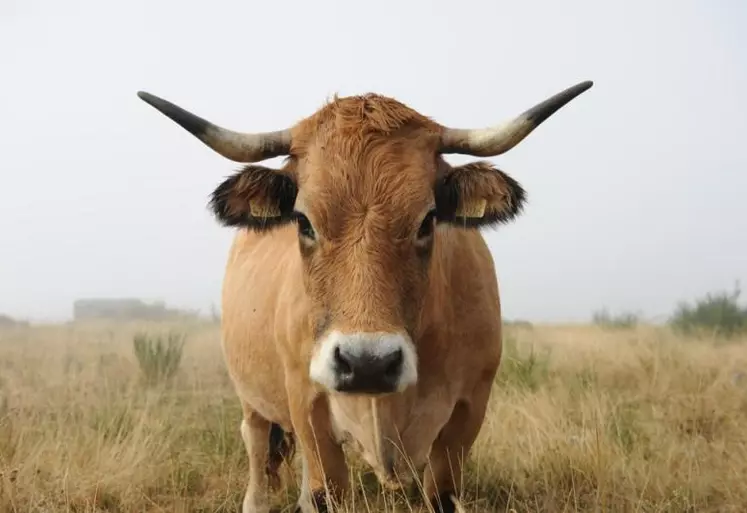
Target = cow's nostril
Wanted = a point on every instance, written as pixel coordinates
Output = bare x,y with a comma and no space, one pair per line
393,363
343,365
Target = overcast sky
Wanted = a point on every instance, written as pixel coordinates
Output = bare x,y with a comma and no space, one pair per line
636,189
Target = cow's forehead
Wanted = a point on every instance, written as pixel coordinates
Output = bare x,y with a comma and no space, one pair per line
349,124
386,186
366,154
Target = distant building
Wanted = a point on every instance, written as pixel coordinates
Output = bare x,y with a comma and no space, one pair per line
125,309
6,321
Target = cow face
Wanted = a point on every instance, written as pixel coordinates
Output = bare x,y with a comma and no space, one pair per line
369,195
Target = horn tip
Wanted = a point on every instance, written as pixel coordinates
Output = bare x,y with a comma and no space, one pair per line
577,89
148,98
540,112
586,84
188,121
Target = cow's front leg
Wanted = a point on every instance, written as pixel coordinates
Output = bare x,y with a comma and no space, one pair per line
324,468
255,431
443,473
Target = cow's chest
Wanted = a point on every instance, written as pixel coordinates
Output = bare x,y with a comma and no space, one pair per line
382,430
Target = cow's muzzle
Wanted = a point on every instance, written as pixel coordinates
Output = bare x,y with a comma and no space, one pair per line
364,363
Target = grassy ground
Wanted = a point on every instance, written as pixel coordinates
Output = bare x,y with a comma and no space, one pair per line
582,419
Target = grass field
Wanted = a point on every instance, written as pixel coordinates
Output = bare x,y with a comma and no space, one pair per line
581,419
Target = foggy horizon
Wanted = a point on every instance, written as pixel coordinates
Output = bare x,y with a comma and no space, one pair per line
635,189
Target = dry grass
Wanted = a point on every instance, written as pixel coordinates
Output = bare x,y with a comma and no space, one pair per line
629,420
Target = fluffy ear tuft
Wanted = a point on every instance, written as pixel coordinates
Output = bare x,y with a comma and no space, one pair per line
478,194
256,197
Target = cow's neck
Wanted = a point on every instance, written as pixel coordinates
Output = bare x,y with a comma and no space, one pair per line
373,425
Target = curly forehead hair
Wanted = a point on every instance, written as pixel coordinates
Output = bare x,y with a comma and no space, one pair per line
354,120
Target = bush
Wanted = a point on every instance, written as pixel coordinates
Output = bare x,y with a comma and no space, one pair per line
624,320
159,359
718,313
522,369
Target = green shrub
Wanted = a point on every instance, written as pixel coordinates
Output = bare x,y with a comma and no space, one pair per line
718,313
159,357
624,320
522,370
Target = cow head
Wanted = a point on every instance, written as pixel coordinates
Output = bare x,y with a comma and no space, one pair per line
367,188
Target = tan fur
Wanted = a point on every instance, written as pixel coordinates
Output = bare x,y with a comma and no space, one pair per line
365,168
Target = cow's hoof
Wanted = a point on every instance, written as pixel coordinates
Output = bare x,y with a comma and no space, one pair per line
318,501
444,503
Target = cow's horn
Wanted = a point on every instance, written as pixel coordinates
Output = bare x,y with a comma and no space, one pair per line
491,141
239,147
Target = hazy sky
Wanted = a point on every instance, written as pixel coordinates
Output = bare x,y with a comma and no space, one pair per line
636,189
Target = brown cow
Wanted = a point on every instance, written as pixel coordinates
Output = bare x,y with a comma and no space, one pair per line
360,301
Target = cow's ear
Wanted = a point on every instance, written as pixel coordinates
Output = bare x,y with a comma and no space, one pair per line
476,195
256,197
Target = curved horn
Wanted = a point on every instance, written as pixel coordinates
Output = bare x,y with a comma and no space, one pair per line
239,147
491,141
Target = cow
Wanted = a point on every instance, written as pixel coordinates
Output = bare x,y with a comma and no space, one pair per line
360,301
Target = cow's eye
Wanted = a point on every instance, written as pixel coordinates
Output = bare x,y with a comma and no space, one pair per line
304,226
426,227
